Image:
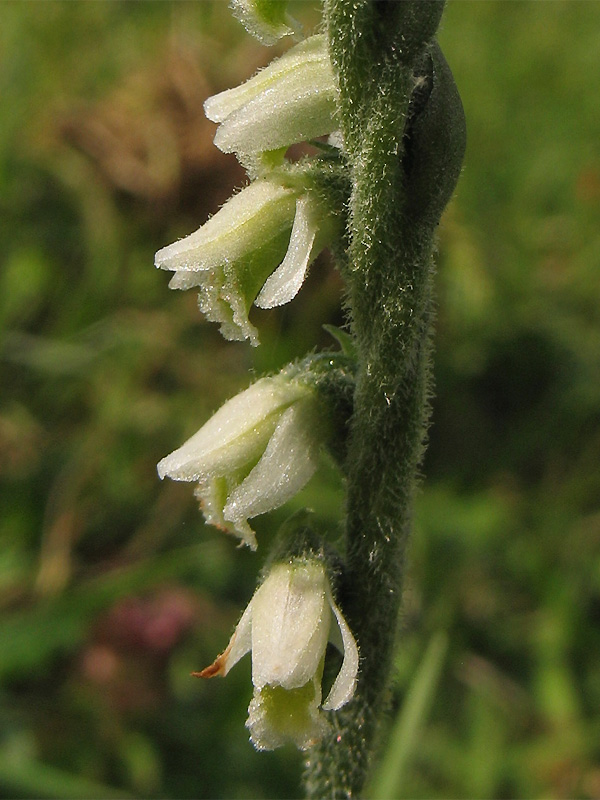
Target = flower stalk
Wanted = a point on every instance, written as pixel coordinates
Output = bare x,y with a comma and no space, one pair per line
397,164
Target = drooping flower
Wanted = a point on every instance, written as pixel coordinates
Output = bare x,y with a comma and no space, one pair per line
287,626
291,100
229,259
254,454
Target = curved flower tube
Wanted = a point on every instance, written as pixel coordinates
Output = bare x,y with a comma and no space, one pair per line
287,626
253,455
231,256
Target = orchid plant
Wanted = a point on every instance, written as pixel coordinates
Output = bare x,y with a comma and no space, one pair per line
376,97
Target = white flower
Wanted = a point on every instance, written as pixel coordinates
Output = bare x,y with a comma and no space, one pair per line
287,626
291,100
253,455
228,259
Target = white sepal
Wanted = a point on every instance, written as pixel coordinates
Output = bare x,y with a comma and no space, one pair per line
292,454
291,622
259,211
236,433
345,683
311,51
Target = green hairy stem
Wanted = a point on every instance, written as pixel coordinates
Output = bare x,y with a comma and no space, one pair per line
404,137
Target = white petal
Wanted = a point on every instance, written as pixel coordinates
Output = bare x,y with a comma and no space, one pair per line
290,626
300,107
260,211
237,433
312,50
284,284
288,463
343,688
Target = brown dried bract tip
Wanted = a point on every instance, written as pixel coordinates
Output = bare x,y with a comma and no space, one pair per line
216,668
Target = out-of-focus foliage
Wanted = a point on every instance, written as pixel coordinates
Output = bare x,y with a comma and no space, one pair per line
111,589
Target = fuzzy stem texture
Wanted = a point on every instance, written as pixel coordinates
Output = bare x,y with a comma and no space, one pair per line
404,137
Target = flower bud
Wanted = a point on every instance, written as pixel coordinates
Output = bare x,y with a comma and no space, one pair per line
291,100
254,454
287,626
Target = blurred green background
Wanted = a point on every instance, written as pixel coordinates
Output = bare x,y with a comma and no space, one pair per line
111,589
